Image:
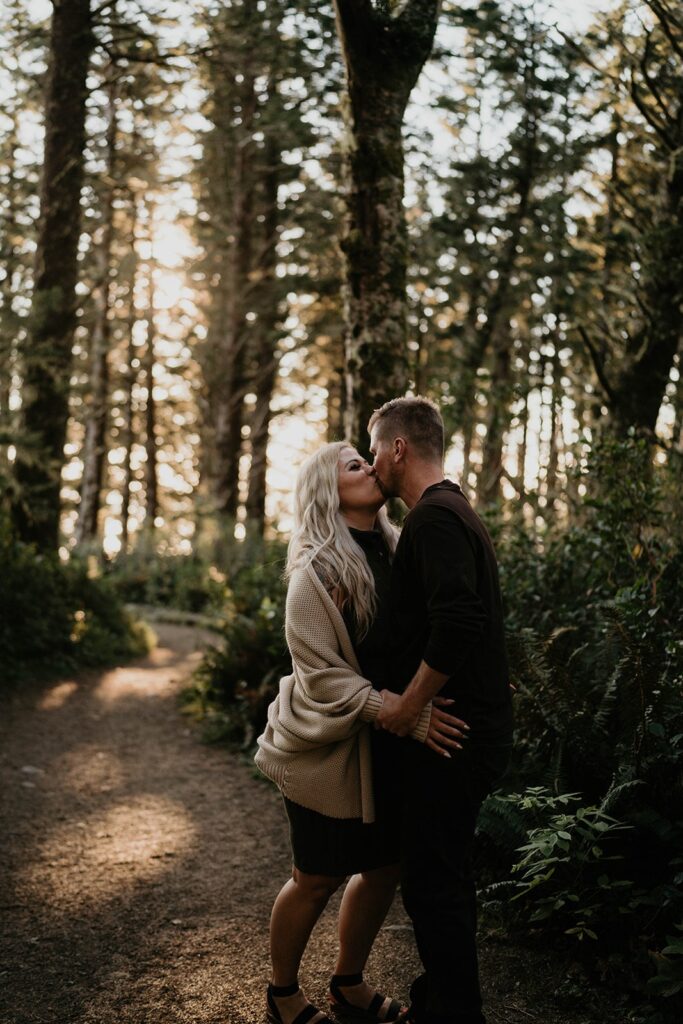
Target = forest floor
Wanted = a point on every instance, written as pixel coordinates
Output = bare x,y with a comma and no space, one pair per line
138,867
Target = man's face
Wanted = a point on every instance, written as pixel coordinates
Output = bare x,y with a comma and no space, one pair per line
383,464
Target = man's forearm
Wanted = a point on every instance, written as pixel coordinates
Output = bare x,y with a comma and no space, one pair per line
424,685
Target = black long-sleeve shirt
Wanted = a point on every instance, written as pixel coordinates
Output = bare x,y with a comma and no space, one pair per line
447,611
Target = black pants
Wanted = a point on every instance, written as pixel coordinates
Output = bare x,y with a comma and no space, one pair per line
442,801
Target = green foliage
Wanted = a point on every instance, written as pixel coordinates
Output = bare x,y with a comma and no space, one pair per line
595,649
237,680
566,870
594,619
54,618
669,962
184,582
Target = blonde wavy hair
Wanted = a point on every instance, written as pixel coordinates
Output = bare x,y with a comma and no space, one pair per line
322,539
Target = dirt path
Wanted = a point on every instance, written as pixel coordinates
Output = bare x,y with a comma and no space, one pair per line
138,867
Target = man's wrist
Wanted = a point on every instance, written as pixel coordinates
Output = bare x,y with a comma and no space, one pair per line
412,705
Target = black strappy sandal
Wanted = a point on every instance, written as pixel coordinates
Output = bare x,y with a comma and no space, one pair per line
306,1015
393,1013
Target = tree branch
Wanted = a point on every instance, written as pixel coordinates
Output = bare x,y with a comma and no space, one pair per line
652,82
598,364
585,56
649,116
665,19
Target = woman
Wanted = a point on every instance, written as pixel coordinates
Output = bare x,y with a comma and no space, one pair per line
318,746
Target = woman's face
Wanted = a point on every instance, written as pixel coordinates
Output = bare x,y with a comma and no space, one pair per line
358,487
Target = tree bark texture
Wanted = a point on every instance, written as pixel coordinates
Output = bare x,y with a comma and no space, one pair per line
95,443
383,55
47,359
265,360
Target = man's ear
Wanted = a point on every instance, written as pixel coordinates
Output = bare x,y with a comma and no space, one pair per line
399,449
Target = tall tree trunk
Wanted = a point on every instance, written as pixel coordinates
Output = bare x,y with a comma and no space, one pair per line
383,53
127,432
555,438
421,358
467,438
151,489
498,423
677,402
8,318
95,444
127,438
263,382
230,388
47,358
612,244
522,450
336,402
496,332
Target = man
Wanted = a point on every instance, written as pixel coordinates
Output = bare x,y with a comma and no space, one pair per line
449,641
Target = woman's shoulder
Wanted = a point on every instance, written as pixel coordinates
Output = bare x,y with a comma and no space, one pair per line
311,574
309,582
304,580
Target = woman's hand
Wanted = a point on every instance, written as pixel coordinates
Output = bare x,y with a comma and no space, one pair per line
445,730
395,716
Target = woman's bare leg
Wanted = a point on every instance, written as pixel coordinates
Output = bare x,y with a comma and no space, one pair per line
364,907
295,913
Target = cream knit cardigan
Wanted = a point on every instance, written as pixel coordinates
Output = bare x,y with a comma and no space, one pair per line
316,744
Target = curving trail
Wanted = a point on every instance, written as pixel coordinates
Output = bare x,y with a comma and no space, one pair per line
138,867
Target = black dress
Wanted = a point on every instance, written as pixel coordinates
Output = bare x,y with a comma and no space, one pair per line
345,846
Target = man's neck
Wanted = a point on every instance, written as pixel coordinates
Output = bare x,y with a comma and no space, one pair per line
417,482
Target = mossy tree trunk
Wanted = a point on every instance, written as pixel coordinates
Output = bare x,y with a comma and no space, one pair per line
384,47
47,355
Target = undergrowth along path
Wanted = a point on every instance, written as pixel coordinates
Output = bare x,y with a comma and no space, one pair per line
138,867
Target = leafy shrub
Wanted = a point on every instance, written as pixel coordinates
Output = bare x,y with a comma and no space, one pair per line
183,582
54,618
565,871
571,870
594,617
237,680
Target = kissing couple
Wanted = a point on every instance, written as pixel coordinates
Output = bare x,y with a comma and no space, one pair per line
394,724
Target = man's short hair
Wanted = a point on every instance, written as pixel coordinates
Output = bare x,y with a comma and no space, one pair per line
417,419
